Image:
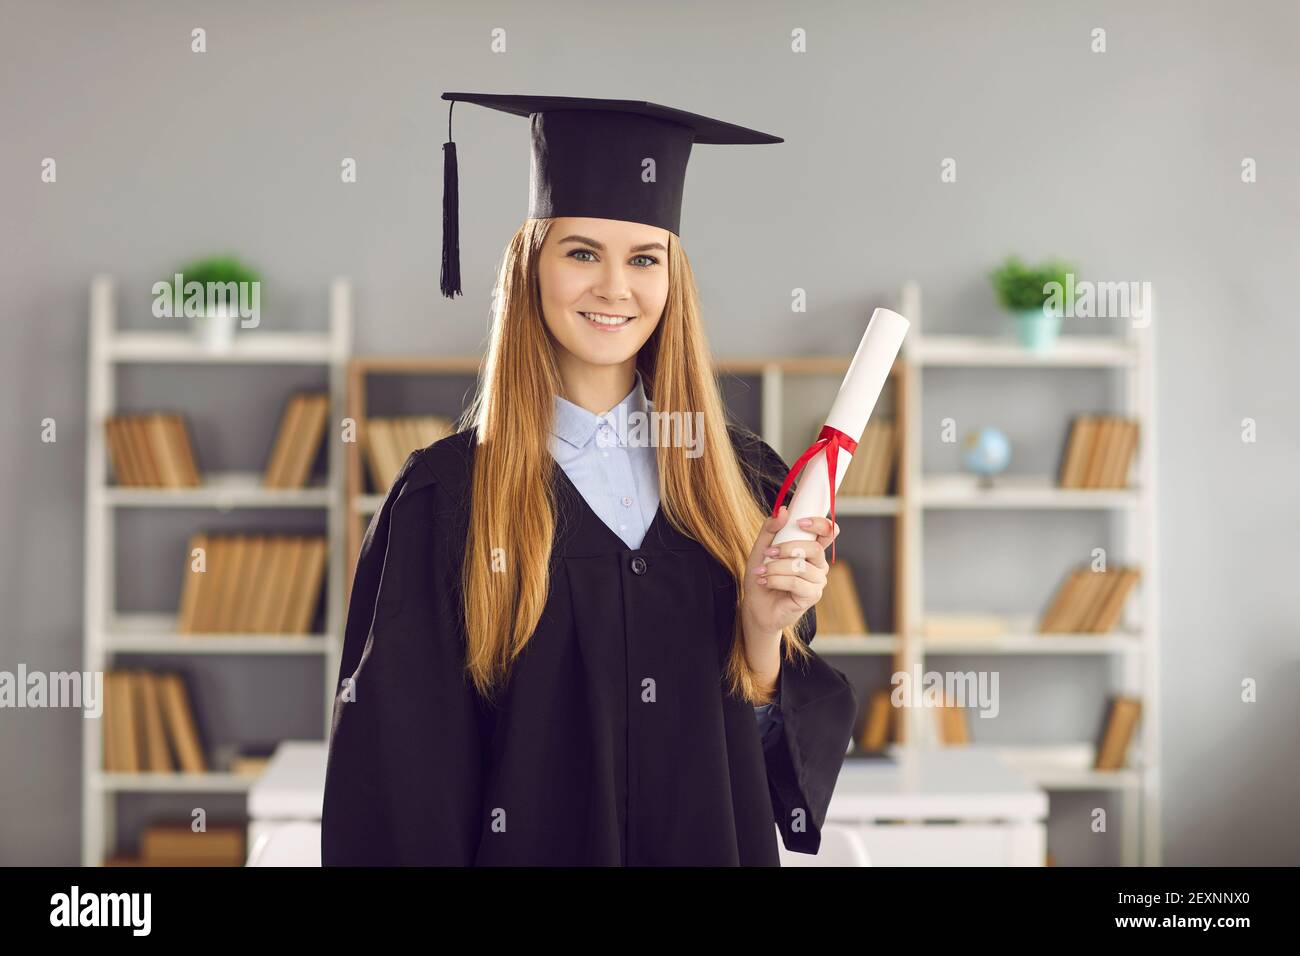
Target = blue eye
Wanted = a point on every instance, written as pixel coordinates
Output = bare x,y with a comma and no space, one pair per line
652,261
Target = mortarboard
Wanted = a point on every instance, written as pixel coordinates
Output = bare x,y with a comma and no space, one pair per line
588,159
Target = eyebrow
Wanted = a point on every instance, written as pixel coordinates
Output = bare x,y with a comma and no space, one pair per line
597,245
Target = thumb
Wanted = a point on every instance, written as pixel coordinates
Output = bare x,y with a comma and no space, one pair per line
771,526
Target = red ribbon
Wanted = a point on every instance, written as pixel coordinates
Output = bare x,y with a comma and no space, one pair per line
832,439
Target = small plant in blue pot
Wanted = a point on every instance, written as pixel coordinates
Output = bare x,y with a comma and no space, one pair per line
1024,290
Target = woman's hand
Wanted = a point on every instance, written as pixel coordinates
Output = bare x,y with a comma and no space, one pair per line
779,587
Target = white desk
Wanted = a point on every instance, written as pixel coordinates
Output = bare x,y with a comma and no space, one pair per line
290,791
948,806
994,816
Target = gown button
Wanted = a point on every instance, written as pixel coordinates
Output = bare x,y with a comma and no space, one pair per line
638,565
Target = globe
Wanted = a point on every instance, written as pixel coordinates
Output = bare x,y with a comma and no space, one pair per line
987,453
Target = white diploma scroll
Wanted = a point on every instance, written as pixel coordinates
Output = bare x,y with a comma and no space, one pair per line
852,409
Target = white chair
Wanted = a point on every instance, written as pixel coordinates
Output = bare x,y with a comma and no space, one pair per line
841,846
291,843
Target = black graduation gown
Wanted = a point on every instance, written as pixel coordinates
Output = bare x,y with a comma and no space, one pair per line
613,743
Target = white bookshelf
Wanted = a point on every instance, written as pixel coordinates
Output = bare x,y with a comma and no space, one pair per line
111,637
1134,647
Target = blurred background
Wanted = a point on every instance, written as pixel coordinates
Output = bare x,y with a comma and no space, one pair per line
925,143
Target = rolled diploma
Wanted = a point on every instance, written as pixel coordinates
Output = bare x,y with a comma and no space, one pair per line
853,406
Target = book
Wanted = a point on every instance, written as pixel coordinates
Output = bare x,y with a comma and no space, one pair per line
139,435
885,460
1099,452
1111,607
130,723
1121,722
1078,450
250,584
953,728
298,441
289,425
963,625
157,754
262,602
119,453
184,446
306,442
307,587
388,442
122,728
253,584
290,562
151,450
1104,436
229,559
249,766
148,724
876,729
1117,476
840,609
1064,598
178,718
210,592
177,844
166,457
1088,602
112,756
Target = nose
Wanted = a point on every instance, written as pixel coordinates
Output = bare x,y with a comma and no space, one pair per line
611,285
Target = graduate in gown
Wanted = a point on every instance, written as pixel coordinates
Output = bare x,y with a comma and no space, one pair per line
569,639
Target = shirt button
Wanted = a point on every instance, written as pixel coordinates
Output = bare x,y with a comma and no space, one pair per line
627,500
604,454
638,565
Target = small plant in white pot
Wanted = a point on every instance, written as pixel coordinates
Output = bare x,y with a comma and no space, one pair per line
227,288
1024,290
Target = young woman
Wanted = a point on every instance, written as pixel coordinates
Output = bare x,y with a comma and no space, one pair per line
569,639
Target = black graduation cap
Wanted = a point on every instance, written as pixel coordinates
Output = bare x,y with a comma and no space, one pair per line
588,159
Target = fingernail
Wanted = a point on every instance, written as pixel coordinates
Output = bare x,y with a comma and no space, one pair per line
761,571
772,551
805,522
784,509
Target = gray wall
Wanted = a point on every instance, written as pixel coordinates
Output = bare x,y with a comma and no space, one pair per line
1128,162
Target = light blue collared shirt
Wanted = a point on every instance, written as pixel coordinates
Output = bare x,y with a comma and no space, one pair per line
620,483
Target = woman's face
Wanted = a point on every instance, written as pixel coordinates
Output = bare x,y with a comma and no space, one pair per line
592,269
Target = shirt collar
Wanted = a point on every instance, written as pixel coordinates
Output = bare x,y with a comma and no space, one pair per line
576,425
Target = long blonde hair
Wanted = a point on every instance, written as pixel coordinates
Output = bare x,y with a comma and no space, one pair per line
513,501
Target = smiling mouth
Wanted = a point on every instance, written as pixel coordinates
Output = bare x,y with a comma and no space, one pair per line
606,320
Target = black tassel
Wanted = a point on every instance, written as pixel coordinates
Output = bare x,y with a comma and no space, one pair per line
450,280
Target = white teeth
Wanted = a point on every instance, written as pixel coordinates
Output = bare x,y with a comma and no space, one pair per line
601,318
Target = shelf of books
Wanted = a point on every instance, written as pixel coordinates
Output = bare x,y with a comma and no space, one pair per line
252,592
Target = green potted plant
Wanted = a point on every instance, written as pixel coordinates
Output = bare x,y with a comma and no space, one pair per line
216,322
1024,290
